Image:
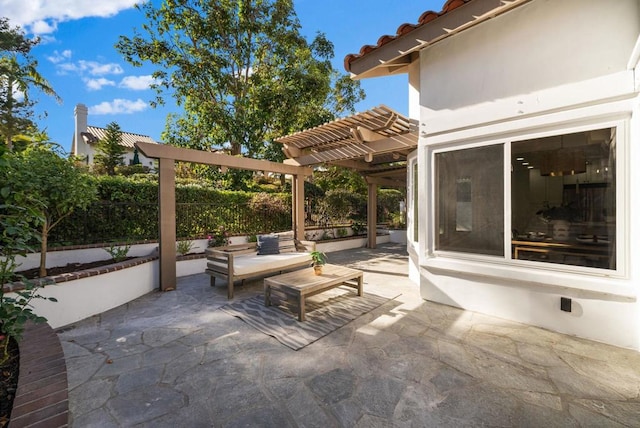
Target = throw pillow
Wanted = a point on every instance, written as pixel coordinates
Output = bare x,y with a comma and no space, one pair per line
268,244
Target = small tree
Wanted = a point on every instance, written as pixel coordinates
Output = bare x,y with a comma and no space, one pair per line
56,187
16,232
110,149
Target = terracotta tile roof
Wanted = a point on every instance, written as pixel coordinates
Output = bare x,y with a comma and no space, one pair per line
419,34
95,134
403,30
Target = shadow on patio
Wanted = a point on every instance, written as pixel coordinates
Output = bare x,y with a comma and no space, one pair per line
175,359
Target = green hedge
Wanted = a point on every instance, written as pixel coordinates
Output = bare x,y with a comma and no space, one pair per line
128,211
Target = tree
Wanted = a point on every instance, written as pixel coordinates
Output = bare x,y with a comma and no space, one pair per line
16,233
110,149
54,185
18,75
14,39
337,177
241,70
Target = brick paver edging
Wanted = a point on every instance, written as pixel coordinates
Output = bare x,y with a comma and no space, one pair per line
42,397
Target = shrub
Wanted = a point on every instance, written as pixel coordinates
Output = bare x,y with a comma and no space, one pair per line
358,227
218,238
268,202
183,247
388,203
118,254
340,205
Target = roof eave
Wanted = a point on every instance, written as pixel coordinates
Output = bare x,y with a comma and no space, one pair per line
394,56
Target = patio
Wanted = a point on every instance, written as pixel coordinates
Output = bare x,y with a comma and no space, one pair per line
174,359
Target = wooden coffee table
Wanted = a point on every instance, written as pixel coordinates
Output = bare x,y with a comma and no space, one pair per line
304,283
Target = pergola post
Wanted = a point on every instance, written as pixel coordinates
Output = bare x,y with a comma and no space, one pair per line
372,214
297,206
167,221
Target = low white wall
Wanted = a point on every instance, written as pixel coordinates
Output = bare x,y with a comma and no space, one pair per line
86,297
594,317
82,298
87,255
398,236
190,267
331,246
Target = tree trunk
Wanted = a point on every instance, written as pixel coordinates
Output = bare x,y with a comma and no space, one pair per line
43,250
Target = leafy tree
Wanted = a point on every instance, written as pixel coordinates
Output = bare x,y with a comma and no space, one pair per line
17,231
110,151
18,75
14,39
337,177
55,186
241,70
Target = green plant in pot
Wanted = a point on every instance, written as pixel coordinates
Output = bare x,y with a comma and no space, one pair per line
319,259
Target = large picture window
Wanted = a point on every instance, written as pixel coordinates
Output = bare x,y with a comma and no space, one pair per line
563,199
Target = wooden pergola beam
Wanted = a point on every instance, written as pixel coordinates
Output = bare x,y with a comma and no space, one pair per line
161,151
381,181
386,145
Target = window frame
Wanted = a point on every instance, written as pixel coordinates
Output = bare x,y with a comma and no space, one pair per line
413,213
458,260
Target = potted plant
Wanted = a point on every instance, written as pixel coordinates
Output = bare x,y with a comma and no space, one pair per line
319,259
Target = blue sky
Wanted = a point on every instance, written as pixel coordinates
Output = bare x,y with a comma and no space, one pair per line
78,58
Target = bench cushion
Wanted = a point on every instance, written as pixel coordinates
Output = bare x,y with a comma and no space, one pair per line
247,264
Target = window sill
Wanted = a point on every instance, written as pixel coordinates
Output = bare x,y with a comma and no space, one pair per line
593,284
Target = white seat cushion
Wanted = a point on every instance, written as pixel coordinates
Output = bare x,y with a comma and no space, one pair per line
247,264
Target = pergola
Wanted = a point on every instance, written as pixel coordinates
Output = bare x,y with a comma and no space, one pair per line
168,155
375,143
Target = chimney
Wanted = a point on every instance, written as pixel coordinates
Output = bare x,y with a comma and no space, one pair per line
80,113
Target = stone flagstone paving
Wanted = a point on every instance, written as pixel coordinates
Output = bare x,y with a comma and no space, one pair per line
173,360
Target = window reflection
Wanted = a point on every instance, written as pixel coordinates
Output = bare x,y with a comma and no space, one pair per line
563,199
470,200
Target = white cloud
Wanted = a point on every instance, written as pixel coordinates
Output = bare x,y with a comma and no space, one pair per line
137,83
43,27
42,16
58,57
118,106
93,68
97,84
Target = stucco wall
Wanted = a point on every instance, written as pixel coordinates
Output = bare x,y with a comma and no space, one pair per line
546,68
541,45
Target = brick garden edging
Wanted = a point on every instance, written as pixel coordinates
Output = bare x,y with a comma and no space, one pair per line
42,397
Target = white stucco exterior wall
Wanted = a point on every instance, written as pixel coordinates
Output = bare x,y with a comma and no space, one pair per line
545,68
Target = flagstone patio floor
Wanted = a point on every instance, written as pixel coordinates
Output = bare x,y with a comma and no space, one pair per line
174,360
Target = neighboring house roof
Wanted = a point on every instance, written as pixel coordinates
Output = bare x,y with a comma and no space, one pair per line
393,53
95,134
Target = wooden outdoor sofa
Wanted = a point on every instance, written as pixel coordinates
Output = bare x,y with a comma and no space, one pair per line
238,262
